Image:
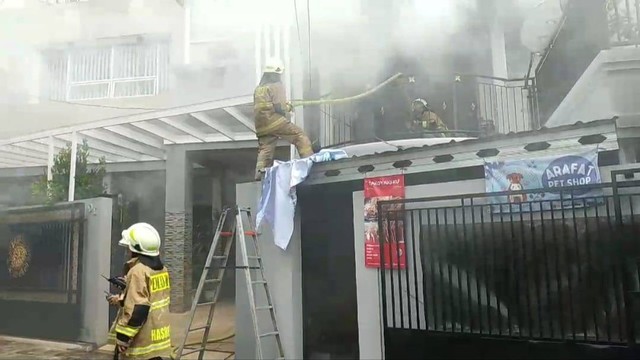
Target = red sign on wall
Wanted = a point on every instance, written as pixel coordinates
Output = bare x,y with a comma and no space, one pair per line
377,189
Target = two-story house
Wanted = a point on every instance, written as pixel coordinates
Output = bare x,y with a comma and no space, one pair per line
162,89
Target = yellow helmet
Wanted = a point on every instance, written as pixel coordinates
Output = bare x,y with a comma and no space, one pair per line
141,238
274,65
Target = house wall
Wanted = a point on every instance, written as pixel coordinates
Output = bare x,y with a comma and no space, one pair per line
604,90
283,272
29,26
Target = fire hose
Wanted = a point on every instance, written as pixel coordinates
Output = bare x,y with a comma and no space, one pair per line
175,350
295,103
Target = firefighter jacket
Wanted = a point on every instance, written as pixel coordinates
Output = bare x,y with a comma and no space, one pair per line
270,108
143,320
429,121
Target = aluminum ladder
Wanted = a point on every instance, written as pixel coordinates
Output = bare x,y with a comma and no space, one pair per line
220,251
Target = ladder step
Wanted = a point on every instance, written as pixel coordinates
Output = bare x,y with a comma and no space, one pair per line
273,333
229,233
211,281
259,282
264,307
207,303
199,328
219,257
254,257
193,351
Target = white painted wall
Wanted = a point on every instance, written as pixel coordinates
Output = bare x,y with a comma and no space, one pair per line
606,89
284,273
30,26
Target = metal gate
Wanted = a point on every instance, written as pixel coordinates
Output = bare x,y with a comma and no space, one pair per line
41,254
526,280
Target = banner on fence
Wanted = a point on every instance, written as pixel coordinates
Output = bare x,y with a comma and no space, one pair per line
393,248
551,174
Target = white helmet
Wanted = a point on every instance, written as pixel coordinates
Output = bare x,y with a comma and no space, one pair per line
421,101
274,65
141,238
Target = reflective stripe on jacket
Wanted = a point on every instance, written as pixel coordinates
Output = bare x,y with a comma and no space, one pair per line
146,288
265,99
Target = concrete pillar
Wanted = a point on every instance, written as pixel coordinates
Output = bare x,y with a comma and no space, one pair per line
627,152
498,51
178,227
216,192
498,45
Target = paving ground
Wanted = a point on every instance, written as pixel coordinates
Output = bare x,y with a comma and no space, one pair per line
224,326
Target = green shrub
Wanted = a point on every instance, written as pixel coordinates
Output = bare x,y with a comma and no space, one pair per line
89,178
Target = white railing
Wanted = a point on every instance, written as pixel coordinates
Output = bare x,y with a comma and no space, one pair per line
55,2
117,71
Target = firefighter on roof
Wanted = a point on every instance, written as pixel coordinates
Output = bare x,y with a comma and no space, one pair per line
424,119
272,115
142,330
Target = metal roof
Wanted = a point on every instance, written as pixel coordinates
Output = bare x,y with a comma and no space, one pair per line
381,159
137,137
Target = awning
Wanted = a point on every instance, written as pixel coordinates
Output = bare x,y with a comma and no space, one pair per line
137,137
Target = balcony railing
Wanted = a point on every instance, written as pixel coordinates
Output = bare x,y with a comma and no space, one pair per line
337,124
492,105
622,18
55,2
482,106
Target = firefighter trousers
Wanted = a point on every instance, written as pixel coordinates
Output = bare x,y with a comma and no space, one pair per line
267,144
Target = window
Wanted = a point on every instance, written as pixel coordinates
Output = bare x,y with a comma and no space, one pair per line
117,71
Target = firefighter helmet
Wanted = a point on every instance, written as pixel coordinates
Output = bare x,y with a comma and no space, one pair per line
141,238
420,101
274,65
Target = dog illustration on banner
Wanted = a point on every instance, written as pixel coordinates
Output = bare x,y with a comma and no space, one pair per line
515,180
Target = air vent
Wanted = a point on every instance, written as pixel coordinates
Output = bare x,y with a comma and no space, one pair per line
442,158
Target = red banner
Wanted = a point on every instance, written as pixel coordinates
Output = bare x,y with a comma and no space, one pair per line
384,188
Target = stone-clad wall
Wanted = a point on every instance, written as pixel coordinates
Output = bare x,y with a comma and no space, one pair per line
177,256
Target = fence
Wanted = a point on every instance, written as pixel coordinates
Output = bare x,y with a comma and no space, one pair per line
569,274
622,18
482,105
42,250
495,105
336,123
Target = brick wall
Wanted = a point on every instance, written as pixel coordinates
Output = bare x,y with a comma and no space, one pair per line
177,256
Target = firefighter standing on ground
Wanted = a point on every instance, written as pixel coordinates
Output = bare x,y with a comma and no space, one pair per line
142,330
424,119
272,118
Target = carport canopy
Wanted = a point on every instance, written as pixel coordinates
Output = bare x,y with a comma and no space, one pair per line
138,137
